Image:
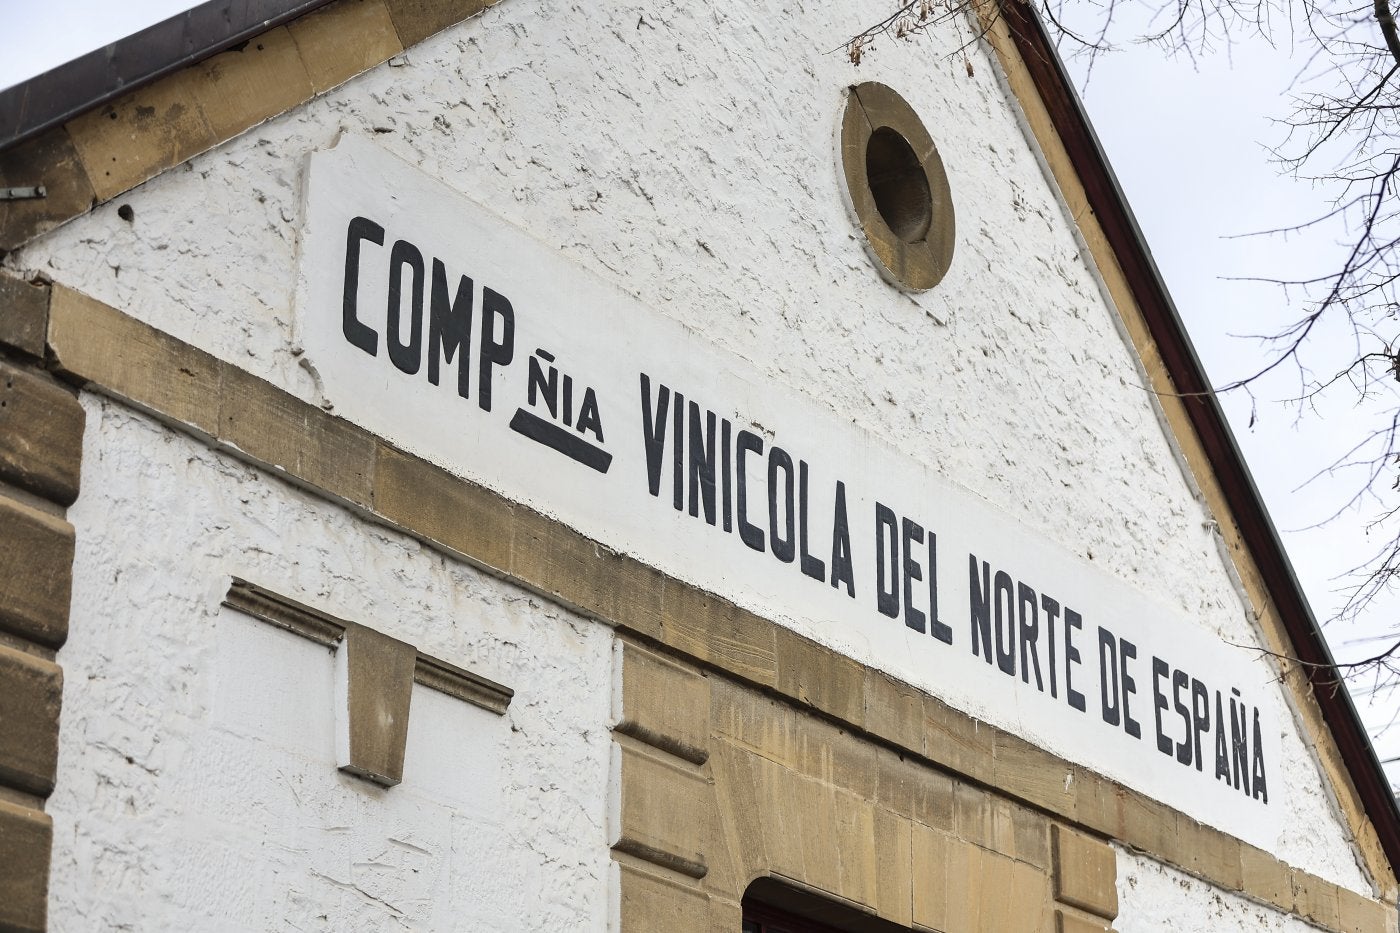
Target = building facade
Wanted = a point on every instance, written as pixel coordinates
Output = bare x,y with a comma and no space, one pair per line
627,467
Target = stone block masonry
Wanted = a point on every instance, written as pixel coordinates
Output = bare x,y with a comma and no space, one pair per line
41,436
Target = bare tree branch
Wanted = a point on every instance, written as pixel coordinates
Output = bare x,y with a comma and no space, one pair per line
1343,136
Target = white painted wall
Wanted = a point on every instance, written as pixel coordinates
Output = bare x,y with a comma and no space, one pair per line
197,786
1153,897
685,152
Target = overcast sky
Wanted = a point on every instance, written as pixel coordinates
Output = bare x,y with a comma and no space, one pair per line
69,28
1189,141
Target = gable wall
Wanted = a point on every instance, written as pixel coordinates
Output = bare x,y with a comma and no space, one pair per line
672,159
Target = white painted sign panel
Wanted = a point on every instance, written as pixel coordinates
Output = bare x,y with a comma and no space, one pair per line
457,336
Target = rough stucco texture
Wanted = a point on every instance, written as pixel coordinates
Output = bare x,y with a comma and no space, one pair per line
1153,897
198,786
687,152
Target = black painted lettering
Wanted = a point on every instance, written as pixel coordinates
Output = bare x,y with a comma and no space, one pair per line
1222,752
588,419
678,454
1180,682
1004,627
979,587
702,463
406,356
1261,783
1200,718
356,331
781,537
653,431
841,569
545,384
749,533
1051,608
450,331
727,471
1108,677
936,626
886,556
1239,743
1160,672
494,350
811,566
1028,623
1073,623
913,534
1127,651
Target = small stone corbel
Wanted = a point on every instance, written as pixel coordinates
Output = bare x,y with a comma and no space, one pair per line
374,678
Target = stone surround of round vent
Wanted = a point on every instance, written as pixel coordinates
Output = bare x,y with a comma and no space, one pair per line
897,187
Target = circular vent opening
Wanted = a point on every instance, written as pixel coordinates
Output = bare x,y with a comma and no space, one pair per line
899,185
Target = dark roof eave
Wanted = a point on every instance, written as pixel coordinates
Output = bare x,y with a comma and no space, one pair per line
85,83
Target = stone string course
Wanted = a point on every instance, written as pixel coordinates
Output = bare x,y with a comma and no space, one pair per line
1012,792
41,435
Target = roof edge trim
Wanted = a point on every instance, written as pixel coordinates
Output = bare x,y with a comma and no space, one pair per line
1125,238
60,94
